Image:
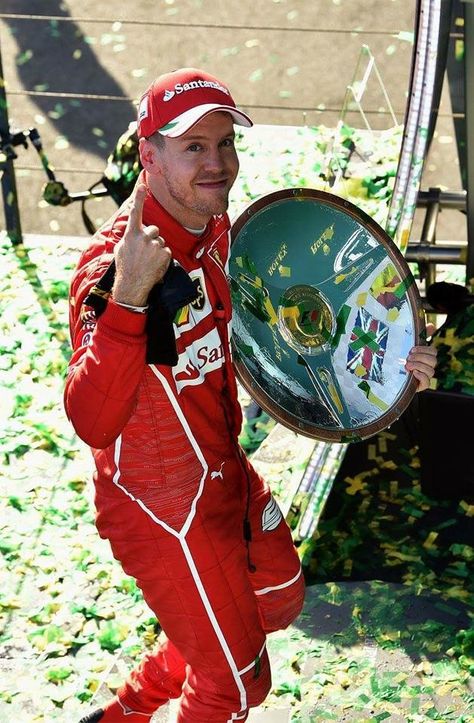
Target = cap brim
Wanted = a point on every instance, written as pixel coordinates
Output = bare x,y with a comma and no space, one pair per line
184,122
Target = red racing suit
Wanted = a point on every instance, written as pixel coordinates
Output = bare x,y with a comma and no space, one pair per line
173,487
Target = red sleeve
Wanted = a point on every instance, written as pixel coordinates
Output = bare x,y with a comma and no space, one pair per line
105,368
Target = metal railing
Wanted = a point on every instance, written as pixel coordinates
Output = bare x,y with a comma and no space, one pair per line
426,252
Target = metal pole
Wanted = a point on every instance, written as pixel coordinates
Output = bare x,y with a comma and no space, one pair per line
443,46
428,233
446,199
469,119
456,72
7,170
440,254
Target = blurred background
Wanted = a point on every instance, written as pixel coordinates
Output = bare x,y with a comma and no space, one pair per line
74,71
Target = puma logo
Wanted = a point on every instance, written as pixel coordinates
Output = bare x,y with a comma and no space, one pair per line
218,473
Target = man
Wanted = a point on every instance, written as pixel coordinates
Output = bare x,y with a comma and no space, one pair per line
184,511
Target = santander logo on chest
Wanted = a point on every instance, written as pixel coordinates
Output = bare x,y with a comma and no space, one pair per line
201,357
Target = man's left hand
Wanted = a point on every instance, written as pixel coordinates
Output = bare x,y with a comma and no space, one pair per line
421,362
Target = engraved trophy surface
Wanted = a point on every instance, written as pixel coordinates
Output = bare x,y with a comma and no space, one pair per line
325,312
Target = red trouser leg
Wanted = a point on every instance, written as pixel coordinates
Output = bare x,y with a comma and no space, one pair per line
277,581
159,677
213,609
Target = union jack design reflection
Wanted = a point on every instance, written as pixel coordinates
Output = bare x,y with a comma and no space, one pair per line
367,346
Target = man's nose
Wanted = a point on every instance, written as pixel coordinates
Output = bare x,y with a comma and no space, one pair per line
214,160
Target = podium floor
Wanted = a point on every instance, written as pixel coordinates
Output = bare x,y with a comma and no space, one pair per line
365,651
361,651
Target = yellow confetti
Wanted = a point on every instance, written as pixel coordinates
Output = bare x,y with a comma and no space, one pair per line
429,542
326,235
400,678
271,311
334,591
11,603
458,592
392,636
445,689
404,238
468,509
376,400
372,451
93,685
341,277
356,612
326,379
364,505
424,667
356,484
347,568
343,679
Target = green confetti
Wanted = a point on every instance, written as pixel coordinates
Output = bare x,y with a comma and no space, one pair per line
256,75
24,57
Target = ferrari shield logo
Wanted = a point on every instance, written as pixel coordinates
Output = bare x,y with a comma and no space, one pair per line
199,301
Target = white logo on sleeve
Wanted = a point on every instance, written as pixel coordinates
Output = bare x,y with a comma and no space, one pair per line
271,516
143,109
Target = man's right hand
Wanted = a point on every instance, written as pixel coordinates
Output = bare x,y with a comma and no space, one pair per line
141,257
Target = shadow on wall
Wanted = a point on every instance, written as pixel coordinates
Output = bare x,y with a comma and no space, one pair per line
54,56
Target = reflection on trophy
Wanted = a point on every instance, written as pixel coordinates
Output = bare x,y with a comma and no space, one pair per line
326,310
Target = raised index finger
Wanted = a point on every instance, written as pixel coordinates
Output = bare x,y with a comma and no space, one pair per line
136,209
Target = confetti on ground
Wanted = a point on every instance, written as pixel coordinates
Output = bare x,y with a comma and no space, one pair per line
72,623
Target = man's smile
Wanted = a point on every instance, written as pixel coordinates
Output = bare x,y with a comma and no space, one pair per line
221,183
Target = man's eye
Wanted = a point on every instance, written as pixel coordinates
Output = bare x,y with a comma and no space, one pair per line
228,142
194,147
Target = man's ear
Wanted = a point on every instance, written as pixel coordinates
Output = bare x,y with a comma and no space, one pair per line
148,155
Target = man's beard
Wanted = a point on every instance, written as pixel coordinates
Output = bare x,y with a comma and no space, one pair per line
215,204
209,204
